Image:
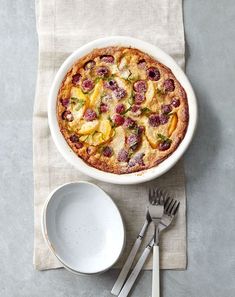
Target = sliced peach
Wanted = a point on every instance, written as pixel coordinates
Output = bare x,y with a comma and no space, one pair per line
150,101
173,124
150,91
97,139
113,133
88,127
123,63
77,93
105,128
86,138
95,97
118,140
151,136
125,73
77,114
81,103
150,133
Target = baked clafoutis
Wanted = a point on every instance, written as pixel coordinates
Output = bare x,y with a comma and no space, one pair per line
121,110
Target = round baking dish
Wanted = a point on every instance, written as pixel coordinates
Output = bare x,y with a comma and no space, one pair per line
130,178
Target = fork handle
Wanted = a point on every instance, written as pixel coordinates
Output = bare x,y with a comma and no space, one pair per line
127,266
155,277
134,274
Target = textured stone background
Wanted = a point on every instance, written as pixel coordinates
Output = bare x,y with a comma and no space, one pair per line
210,32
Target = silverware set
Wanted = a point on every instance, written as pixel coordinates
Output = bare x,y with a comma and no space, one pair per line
161,212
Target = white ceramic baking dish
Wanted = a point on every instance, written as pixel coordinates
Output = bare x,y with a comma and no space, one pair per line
131,178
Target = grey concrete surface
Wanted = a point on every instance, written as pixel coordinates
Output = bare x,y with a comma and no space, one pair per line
209,163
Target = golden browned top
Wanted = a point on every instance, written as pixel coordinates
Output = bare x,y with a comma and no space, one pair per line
122,111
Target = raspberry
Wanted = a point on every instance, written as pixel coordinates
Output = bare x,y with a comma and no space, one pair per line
129,123
67,115
166,108
64,102
76,78
74,138
90,115
119,93
139,98
89,65
103,107
175,102
165,145
142,64
78,145
118,119
154,120
102,71
87,85
140,86
107,58
111,84
169,85
107,151
133,141
123,156
120,108
153,73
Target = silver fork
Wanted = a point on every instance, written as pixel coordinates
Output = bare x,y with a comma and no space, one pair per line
171,207
153,193
127,266
157,196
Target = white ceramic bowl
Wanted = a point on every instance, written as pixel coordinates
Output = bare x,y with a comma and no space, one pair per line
131,178
83,228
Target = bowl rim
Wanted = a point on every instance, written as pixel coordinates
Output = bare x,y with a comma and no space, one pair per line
129,178
47,239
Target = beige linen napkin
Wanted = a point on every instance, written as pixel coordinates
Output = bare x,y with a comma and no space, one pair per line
63,26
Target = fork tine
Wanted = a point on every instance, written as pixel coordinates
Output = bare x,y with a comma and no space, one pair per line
167,203
175,209
173,204
163,194
155,196
162,199
159,192
151,195
158,196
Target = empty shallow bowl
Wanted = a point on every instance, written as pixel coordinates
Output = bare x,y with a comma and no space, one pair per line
83,228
